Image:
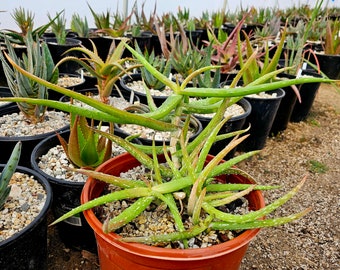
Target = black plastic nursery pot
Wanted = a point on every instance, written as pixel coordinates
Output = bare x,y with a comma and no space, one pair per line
28,248
3,80
329,65
125,80
143,41
285,109
102,44
74,232
28,142
195,36
90,81
156,45
233,124
308,92
58,52
260,119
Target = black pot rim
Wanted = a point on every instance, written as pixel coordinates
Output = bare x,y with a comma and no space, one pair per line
281,93
137,77
245,104
94,90
69,42
197,121
42,180
73,75
13,108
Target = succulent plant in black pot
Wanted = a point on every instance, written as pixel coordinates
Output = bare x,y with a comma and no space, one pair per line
31,122
146,86
25,199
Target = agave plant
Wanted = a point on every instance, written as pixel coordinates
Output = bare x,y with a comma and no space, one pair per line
7,173
38,61
186,173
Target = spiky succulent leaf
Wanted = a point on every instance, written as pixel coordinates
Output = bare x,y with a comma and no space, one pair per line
7,173
85,148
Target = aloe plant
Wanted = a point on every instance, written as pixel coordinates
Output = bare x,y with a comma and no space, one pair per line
260,62
25,21
116,28
8,172
38,61
183,56
107,71
86,148
296,44
101,20
145,23
158,62
58,27
80,26
226,47
186,172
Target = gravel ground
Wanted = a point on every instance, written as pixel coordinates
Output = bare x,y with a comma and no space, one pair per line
311,147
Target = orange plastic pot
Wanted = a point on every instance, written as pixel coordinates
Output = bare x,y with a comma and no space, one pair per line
114,254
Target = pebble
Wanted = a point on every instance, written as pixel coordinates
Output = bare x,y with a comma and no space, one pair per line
67,81
138,87
55,161
16,124
18,212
